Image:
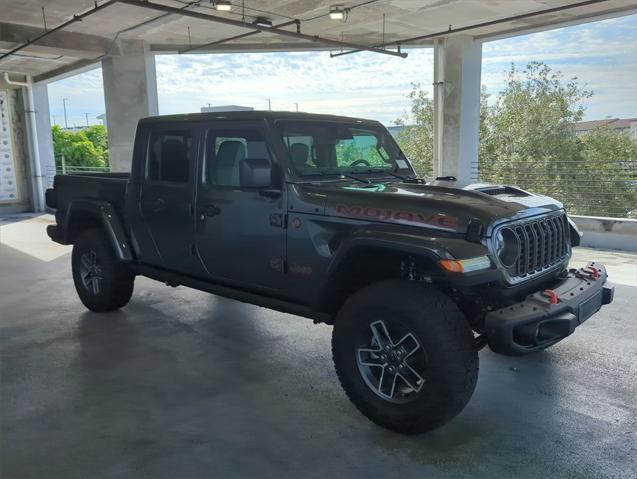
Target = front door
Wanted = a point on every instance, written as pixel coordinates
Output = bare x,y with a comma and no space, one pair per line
167,197
240,231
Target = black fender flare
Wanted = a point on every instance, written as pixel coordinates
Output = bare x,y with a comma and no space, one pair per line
433,248
105,213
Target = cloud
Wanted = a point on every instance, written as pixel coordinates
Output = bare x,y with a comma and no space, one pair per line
603,55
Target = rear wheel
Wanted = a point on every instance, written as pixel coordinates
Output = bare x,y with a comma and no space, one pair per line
102,282
405,355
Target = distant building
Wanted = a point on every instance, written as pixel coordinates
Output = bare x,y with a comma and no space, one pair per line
215,109
625,125
102,117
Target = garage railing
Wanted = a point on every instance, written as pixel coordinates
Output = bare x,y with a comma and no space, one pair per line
585,189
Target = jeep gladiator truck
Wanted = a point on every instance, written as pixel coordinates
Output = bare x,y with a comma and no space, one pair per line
323,217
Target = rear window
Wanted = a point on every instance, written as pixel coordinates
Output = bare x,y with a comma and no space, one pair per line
170,156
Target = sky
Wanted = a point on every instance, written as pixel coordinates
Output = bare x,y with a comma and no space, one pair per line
602,55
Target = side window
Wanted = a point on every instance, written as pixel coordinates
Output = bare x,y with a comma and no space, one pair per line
227,148
170,155
302,152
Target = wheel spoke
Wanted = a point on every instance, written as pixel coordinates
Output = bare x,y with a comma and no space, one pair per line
93,257
387,384
411,378
86,262
95,282
381,335
409,343
369,357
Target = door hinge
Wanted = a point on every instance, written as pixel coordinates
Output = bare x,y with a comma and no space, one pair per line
278,220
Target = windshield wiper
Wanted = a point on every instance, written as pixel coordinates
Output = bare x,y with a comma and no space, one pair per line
406,179
367,181
346,175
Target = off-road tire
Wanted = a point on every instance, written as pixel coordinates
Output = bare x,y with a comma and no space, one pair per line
117,281
446,338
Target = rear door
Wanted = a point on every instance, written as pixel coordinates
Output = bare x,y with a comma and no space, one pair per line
240,231
167,195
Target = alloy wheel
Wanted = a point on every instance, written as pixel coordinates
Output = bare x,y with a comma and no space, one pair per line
91,272
394,369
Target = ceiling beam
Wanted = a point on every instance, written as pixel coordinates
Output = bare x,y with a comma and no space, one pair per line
73,44
251,26
514,18
76,18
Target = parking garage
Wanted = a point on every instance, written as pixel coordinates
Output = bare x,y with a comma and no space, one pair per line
185,384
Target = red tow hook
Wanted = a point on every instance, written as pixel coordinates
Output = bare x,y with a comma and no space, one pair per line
595,272
551,295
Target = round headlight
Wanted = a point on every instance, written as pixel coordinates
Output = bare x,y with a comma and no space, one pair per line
507,247
498,243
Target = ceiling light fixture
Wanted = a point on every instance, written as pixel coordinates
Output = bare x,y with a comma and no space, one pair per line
223,5
262,22
338,12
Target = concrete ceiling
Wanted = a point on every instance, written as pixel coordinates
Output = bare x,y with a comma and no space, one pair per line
85,42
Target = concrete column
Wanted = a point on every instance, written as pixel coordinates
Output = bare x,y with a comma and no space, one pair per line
45,138
457,69
130,93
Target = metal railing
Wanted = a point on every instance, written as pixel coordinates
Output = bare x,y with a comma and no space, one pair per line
600,189
62,168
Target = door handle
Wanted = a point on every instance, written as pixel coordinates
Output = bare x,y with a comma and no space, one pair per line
209,210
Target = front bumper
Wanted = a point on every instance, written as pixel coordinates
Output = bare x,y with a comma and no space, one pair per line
548,316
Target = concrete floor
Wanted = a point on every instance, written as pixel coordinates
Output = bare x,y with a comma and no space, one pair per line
182,384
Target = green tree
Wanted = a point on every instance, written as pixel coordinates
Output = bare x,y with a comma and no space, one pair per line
606,183
78,149
99,137
527,139
416,137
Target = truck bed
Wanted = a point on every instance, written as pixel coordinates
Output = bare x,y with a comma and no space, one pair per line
110,187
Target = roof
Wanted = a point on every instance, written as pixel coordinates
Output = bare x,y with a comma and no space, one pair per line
255,115
163,24
613,123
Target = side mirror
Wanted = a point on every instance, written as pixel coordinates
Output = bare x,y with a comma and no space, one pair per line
255,173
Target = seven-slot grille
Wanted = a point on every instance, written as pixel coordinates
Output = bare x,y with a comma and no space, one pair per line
543,242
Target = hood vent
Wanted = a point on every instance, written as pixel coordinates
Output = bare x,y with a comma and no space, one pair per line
502,190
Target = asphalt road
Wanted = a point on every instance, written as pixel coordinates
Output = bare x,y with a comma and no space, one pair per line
183,384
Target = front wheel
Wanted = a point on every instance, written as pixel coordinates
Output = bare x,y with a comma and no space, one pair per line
405,355
101,281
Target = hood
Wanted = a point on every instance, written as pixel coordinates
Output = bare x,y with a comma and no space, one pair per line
443,205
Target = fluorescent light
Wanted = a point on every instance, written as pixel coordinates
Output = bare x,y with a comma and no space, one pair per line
262,22
223,5
338,12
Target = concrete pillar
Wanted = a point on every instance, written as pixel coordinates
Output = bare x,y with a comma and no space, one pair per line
457,69
130,93
45,138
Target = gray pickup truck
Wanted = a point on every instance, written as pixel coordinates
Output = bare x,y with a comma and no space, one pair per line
324,217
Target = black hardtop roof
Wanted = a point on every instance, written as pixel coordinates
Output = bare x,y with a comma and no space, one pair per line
253,115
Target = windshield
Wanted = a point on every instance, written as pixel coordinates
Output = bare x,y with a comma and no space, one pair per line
324,147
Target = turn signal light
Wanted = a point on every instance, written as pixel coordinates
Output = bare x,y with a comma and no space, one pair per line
452,265
465,265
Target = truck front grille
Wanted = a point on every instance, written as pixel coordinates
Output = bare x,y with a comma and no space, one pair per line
543,243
